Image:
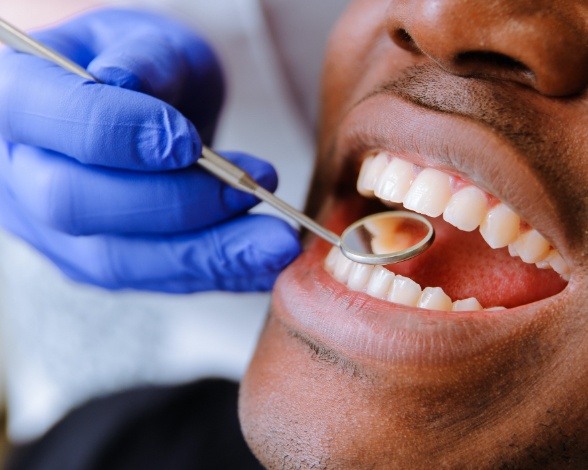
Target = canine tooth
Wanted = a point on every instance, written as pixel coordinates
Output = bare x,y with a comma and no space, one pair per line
379,282
500,226
429,193
531,246
405,291
331,259
370,171
466,208
433,298
466,305
359,276
342,268
395,181
558,264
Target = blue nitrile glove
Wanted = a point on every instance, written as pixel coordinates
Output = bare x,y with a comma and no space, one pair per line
101,178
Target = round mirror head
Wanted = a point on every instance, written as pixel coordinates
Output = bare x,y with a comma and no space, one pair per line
387,237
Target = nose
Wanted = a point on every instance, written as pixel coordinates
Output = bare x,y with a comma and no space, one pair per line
542,44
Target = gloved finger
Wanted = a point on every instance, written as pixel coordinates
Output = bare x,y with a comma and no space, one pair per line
244,254
144,64
81,200
171,64
45,106
150,53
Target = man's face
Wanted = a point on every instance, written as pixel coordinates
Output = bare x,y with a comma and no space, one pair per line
474,109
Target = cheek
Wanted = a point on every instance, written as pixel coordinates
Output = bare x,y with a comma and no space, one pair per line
349,50
360,57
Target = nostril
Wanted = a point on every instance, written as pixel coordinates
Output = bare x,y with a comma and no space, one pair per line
489,63
493,59
403,39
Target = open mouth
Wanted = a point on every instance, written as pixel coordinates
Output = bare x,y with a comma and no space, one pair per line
498,267
484,257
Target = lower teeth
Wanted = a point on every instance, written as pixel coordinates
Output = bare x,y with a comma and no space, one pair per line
380,283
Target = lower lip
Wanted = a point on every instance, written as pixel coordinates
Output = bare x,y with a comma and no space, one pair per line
309,302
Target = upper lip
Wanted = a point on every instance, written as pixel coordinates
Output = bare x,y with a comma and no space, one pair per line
454,144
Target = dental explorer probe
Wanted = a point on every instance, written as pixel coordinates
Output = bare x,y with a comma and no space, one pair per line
369,240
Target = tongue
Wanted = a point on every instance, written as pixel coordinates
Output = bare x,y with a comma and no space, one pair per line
465,266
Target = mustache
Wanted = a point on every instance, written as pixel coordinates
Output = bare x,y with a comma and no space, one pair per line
498,105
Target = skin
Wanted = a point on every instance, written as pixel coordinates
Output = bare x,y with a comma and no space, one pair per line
518,399
513,397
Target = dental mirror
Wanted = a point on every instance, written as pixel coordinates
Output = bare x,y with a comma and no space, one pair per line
387,237
384,238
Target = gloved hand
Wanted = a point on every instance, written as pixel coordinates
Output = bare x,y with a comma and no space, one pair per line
101,177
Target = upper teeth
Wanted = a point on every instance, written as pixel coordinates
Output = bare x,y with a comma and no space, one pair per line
432,192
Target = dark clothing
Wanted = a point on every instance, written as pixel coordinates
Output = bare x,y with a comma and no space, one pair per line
193,426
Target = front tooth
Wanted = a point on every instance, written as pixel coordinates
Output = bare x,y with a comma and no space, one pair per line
466,305
331,259
405,291
371,169
500,226
379,282
395,181
494,309
429,193
342,268
433,298
531,246
466,209
359,276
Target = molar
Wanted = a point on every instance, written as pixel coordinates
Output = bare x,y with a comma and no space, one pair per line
557,263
